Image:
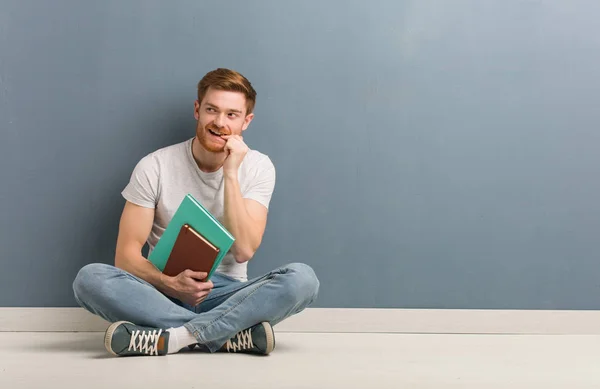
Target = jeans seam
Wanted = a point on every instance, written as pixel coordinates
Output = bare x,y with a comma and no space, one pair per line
241,285
197,331
134,278
221,294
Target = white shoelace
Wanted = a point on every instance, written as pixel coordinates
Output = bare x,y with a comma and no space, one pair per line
244,341
147,341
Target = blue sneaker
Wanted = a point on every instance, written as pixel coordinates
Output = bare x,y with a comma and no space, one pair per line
127,339
259,339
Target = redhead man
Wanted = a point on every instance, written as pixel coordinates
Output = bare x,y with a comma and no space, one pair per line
155,314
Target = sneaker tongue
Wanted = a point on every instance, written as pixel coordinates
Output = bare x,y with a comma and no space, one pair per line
161,344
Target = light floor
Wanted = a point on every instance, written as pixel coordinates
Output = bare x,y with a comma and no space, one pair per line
310,360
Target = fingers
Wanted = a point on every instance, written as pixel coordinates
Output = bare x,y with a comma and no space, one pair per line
201,286
206,286
194,282
234,137
197,275
196,298
199,297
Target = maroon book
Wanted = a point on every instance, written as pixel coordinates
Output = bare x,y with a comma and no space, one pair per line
191,251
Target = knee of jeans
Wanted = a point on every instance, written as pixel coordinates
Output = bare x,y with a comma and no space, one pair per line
303,284
87,280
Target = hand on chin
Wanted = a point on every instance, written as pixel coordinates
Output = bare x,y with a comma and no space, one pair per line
236,150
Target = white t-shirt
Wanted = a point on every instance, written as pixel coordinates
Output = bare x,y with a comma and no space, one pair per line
163,178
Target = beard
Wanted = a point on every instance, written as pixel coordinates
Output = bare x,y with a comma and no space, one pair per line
209,141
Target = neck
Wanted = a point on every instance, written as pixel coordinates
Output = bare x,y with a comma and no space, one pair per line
207,161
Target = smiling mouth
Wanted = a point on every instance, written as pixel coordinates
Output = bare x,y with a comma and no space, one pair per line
215,133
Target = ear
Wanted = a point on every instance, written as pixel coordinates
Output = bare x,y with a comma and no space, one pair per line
247,121
196,109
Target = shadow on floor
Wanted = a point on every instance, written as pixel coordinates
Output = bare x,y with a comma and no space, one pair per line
93,343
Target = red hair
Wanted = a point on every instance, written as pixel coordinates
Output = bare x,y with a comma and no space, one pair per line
228,80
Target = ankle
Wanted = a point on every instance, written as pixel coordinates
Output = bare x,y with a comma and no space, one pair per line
180,338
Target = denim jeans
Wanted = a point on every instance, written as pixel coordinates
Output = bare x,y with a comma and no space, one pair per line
230,307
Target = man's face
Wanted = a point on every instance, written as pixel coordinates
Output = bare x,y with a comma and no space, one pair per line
220,113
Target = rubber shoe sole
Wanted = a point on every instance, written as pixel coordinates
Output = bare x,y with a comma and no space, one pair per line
270,337
109,335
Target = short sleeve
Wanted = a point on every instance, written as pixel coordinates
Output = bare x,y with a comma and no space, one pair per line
262,186
142,188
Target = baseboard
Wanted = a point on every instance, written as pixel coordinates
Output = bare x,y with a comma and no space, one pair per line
348,320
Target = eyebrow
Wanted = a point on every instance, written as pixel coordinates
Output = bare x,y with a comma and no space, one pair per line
230,110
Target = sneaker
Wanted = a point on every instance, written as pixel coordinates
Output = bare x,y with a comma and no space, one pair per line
126,339
259,339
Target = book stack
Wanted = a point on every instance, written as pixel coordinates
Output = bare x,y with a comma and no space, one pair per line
194,239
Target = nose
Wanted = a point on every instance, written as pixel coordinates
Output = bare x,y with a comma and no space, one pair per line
219,120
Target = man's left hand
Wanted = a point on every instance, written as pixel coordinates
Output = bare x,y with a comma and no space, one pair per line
236,150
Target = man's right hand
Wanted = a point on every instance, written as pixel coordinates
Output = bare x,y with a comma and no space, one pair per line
188,287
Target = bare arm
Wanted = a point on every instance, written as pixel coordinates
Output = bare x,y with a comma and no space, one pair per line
134,228
246,219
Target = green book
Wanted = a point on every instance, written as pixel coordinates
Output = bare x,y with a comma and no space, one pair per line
191,212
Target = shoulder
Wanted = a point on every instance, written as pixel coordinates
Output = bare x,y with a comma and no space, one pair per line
257,177
257,169
177,150
164,155
257,161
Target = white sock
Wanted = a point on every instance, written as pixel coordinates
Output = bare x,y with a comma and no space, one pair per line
179,338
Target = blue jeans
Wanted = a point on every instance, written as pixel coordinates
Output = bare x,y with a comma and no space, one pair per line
230,307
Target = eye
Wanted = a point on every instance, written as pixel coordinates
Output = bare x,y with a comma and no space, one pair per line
209,109
232,115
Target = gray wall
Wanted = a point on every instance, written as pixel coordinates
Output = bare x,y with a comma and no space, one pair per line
430,154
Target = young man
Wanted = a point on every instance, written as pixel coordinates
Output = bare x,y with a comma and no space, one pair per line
154,314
